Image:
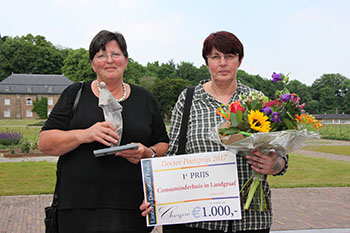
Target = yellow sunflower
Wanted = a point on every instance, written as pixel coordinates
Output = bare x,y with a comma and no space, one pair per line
259,121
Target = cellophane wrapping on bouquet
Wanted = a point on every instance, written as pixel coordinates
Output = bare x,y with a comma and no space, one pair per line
255,122
282,142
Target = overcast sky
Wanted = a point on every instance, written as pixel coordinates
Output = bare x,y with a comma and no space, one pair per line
306,38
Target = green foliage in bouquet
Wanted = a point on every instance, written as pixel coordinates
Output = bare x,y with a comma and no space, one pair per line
256,113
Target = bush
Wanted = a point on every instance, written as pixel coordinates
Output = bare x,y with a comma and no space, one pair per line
25,146
10,137
39,123
336,132
40,107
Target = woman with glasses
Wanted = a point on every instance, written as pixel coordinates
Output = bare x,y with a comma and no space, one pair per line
102,194
223,54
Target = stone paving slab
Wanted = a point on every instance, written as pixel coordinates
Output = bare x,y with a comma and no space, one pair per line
311,208
297,210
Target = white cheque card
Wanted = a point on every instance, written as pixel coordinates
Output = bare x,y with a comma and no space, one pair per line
191,188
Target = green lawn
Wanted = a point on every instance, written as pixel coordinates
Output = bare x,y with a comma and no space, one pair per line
31,133
305,171
25,178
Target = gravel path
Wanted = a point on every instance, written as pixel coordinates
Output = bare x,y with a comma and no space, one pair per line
303,152
27,159
325,155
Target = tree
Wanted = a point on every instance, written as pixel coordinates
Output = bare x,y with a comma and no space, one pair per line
29,55
203,74
327,100
77,66
166,92
333,85
153,68
302,91
40,107
343,97
346,107
162,71
332,81
147,82
188,71
3,38
37,40
312,107
268,87
134,72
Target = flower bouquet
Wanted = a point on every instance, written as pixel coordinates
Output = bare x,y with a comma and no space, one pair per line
257,123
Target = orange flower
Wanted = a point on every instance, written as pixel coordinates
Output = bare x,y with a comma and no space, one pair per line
308,119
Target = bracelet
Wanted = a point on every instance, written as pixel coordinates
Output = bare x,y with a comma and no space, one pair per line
154,152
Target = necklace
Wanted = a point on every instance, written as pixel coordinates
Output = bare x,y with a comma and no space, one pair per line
104,85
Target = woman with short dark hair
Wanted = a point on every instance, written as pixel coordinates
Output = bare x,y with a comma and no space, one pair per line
223,54
102,194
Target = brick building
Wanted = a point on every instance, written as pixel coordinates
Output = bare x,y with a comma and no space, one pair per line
19,91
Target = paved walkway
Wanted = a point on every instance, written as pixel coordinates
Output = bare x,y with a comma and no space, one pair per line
297,210
326,209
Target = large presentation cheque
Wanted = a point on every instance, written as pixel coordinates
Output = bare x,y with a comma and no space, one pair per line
191,188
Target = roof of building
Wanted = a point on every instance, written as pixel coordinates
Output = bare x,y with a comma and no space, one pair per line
332,116
34,84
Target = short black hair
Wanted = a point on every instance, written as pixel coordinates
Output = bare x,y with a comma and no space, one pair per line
102,38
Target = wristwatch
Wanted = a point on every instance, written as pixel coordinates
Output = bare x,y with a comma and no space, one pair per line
154,152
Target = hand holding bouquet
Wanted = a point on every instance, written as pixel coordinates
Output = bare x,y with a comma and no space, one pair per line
257,123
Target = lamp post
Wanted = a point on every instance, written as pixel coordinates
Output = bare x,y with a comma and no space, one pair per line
340,94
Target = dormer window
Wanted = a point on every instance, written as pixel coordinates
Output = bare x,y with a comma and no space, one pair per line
29,88
49,89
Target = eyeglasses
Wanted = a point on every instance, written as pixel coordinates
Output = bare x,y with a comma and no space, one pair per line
227,57
104,56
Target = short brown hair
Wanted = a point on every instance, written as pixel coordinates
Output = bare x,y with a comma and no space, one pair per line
223,41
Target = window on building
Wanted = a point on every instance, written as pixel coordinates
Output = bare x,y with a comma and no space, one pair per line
50,101
48,112
7,101
29,101
7,113
29,113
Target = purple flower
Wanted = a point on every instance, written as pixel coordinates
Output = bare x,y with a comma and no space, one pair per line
276,117
286,97
276,77
267,111
10,137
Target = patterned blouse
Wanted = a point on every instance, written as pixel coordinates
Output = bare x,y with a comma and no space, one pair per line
203,118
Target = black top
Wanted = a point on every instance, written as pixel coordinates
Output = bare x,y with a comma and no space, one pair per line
109,181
